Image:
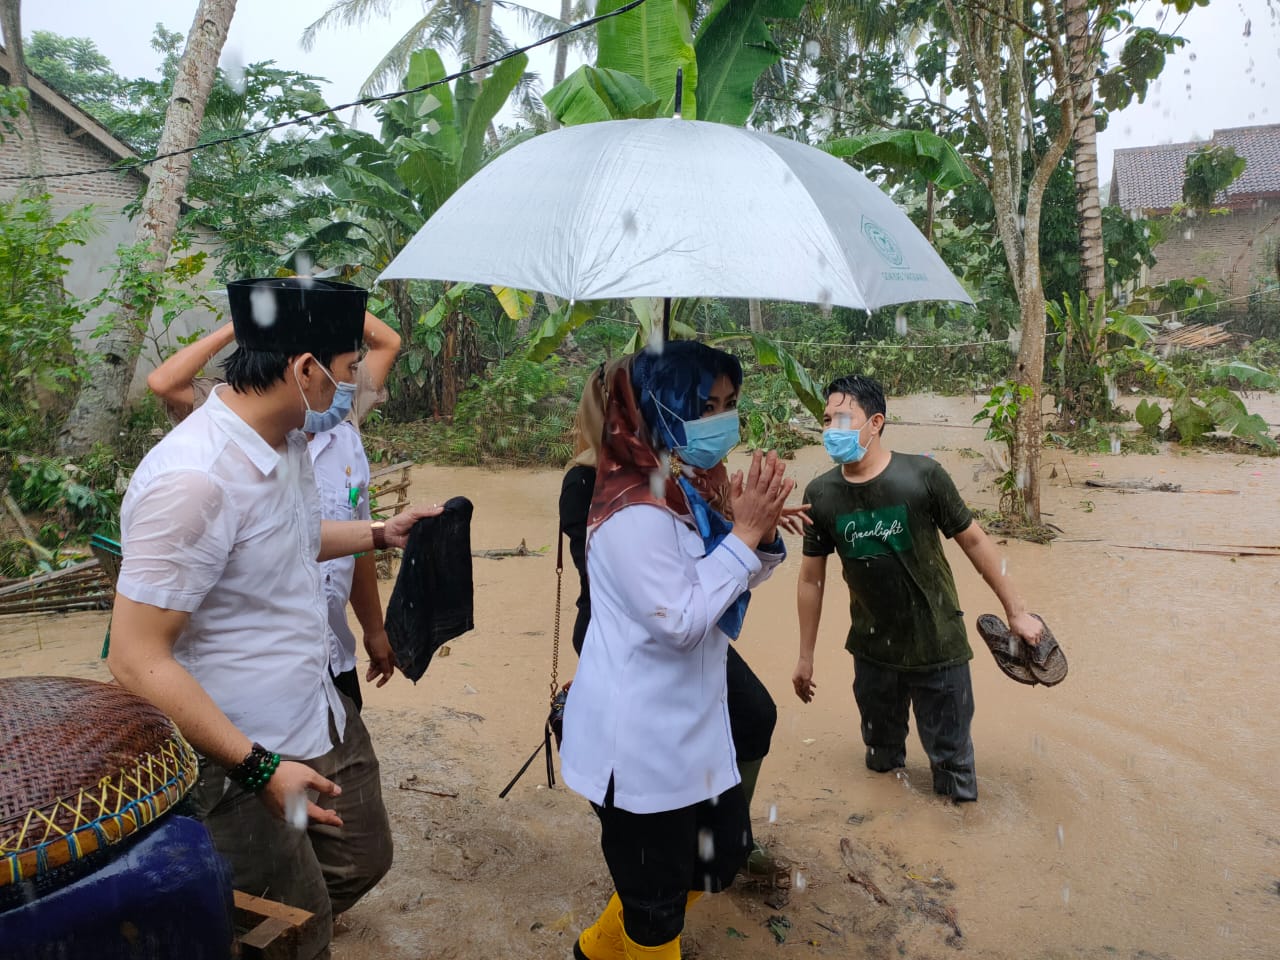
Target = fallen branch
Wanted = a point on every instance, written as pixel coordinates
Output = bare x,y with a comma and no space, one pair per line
1135,485
1214,550
520,551
431,793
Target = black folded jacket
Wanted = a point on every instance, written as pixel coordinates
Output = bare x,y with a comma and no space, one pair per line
434,598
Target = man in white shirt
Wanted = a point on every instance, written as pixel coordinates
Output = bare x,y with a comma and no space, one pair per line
219,617
342,475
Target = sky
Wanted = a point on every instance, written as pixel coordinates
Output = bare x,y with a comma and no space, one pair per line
1227,76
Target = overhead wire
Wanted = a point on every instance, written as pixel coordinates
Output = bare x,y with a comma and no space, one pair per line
125,166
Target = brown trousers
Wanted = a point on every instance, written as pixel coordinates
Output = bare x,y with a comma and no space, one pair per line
322,869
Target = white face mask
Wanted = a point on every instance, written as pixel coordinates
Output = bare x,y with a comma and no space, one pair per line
343,397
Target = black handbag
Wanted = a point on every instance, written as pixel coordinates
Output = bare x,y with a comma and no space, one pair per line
553,729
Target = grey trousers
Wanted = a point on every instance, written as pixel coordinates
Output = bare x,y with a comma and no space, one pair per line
943,704
322,869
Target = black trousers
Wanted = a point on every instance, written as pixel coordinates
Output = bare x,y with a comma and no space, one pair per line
943,704
348,683
656,859
752,713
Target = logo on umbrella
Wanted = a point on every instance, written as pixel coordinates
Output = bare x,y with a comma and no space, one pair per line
884,243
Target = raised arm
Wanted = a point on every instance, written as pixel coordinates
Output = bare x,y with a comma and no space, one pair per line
171,381
384,347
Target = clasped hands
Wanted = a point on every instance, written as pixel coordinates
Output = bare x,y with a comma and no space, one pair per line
759,501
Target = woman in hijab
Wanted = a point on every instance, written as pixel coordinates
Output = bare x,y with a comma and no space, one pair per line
675,547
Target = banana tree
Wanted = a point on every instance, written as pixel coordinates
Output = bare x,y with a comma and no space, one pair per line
387,186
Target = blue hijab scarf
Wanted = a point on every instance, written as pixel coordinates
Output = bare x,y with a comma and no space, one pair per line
671,387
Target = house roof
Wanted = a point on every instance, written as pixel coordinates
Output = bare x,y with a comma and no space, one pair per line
82,124
1150,178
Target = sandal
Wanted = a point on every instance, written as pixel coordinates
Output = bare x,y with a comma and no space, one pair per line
1042,663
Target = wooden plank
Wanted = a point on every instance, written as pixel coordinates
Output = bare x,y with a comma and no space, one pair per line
268,930
259,907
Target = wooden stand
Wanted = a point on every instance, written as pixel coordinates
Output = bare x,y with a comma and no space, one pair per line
266,930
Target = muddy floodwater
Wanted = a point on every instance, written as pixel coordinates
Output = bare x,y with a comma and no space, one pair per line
1130,812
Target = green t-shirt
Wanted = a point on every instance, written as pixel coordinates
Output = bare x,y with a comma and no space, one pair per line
902,596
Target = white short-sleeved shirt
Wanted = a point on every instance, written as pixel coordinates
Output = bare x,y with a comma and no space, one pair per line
219,524
342,477
649,705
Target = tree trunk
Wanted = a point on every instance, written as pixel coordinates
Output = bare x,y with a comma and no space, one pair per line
1082,58
11,24
484,22
96,416
755,316
562,57
1029,426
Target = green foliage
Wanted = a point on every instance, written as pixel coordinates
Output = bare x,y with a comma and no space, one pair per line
1141,60
38,362
143,282
591,94
1149,414
521,412
770,354
63,489
733,48
13,103
559,325
927,154
766,407
1000,413
1209,171
650,43
1090,340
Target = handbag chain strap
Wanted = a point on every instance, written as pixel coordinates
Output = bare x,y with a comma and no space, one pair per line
555,642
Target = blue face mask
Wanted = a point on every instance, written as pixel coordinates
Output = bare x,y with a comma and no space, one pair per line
708,440
844,446
317,422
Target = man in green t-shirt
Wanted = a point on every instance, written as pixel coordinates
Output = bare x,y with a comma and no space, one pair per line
883,513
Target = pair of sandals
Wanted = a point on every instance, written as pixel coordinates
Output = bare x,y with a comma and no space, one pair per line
1043,663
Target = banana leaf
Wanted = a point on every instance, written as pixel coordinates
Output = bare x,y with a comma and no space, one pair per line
734,47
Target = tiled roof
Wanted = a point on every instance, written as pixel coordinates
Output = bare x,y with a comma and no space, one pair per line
1150,178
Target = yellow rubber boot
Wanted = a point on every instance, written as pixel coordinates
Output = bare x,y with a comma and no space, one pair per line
603,939
667,951
694,897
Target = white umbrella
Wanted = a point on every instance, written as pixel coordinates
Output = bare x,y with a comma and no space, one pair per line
677,208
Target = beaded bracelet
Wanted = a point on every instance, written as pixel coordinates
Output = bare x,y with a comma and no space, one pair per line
256,769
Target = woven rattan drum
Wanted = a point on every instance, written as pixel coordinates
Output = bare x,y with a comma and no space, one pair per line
83,765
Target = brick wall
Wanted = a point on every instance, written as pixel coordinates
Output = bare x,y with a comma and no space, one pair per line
1236,251
63,153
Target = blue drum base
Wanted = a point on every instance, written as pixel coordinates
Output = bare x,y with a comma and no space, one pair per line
165,896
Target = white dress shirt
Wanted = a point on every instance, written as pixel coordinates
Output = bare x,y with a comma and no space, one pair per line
219,524
648,705
342,477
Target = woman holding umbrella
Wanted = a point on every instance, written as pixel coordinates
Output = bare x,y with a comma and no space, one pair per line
646,729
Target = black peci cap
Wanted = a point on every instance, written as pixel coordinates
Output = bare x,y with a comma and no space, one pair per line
293,315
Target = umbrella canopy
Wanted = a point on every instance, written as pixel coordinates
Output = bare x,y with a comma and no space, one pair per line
677,208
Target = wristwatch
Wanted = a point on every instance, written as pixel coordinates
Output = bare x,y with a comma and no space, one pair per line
379,530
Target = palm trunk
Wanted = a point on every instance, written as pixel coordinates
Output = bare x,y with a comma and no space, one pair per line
11,24
755,317
1082,58
562,56
484,29
97,413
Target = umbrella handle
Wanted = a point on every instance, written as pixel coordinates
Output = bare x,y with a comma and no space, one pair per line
679,92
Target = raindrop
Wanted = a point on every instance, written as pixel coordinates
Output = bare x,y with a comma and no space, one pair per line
469,689
654,343
429,104
798,882
706,845
1188,233
628,222
900,323
262,306
824,301
1115,445
433,127
1015,341
1062,837
306,266
813,49
773,813
295,811
1191,57
1004,567
1248,27
233,70
1066,894
1022,478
